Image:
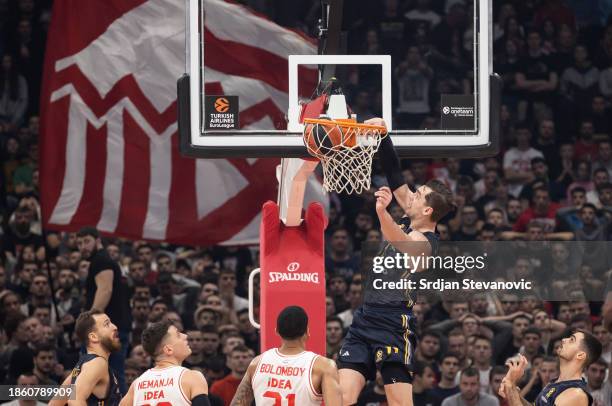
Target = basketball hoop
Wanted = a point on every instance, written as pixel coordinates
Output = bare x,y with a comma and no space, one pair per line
345,149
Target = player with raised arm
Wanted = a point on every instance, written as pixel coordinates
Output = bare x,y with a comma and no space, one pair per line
167,383
576,353
290,375
382,335
95,382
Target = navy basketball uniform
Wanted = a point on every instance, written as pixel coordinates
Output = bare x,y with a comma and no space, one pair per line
551,391
383,329
113,396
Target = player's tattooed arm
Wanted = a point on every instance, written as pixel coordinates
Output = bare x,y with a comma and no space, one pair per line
244,394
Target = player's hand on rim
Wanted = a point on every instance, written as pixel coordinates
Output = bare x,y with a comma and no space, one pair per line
383,198
376,121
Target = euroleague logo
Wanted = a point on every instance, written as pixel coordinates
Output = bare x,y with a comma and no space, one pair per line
222,105
446,110
293,275
221,112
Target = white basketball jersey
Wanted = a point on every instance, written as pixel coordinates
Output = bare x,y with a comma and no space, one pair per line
160,387
285,380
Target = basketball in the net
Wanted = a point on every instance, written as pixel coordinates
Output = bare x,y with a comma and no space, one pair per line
324,139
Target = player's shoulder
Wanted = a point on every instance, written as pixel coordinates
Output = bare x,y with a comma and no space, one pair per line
94,368
324,365
253,365
416,235
572,396
95,364
194,377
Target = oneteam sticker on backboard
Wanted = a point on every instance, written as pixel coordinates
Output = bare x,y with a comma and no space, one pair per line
221,112
457,112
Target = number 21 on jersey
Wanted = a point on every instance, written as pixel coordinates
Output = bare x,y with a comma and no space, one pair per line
278,398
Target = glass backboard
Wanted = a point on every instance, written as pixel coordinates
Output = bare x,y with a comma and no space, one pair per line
424,66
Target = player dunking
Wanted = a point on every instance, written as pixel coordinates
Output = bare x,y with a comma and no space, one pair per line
289,374
576,353
95,382
382,333
167,383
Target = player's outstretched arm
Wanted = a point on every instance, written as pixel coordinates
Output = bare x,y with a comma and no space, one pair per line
90,375
128,399
196,388
508,389
511,393
391,167
330,382
389,228
244,394
61,402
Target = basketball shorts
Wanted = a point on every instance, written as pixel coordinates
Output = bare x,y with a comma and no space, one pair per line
377,336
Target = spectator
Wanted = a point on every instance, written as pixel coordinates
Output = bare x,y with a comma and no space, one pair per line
469,224
542,210
374,393
508,342
600,177
532,343
210,341
423,17
141,357
413,78
470,392
497,375
44,364
540,376
591,229
428,347
424,378
334,335
354,299
547,141
579,83
196,343
227,290
13,95
449,367
26,379
596,374
603,335
238,361
539,168
585,147
340,260
517,161
483,356
537,80
600,115
604,157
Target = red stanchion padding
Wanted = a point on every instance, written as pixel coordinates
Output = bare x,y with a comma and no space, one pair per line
292,262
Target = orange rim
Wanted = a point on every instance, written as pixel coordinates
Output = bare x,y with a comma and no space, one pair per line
346,123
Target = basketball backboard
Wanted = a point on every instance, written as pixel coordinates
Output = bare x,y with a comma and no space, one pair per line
426,69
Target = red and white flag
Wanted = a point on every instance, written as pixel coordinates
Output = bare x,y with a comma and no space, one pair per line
109,149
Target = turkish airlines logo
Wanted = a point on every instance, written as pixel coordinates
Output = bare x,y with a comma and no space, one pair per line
292,267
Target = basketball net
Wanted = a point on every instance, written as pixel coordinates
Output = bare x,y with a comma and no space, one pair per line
344,147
